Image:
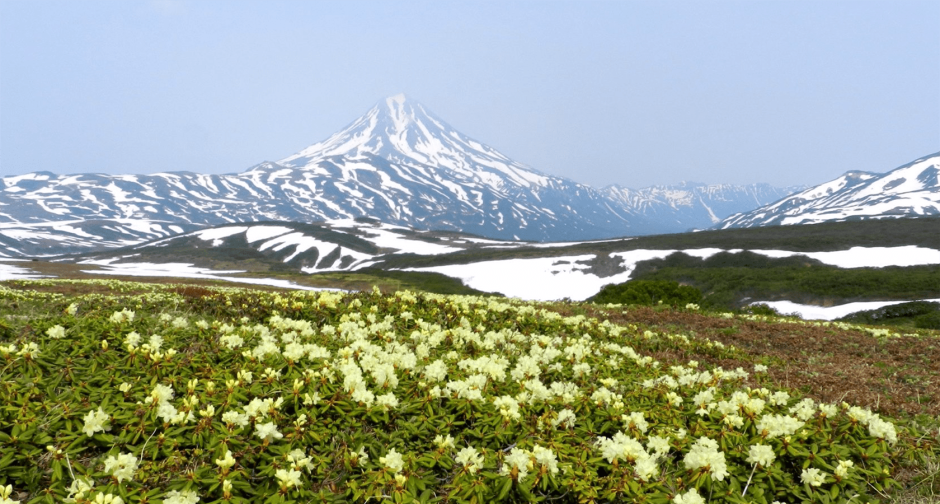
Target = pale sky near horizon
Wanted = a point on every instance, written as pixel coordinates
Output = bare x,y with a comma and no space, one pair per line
635,93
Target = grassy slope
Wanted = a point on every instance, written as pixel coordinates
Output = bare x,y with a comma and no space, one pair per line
899,377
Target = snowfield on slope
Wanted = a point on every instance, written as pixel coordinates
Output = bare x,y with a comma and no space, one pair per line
867,257
812,312
537,279
553,278
11,272
185,270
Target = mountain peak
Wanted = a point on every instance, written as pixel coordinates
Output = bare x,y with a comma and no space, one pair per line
401,130
398,99
398,113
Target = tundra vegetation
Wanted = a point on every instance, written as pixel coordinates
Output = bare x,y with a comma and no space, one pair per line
120,392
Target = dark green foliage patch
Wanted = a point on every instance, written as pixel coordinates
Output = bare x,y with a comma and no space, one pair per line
648,292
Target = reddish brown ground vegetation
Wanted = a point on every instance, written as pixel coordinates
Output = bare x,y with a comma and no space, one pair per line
893,376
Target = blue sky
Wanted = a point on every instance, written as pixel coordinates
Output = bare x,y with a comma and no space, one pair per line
627,92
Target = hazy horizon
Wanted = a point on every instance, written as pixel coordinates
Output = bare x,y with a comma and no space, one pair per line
628,93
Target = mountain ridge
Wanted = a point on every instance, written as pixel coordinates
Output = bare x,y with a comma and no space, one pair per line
398,163
910,190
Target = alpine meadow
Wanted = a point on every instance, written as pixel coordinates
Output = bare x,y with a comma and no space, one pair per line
717,282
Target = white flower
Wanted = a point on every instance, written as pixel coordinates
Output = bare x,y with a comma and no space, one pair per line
363,395
259,408
161,393
77,490
359,457
762,455
804,410
507,406
56,332
268,431
392,461
581,369
5,493
132,340
828,410
227,461
518,459
470,459
96,421
842,470
760,368
779,398
102,498
29,350
387,401
288,477
690,497
444,442
122,316
184,497
155,342
813,476
546,458
658,445
673,398
167,412
778,425
860,415
565,418
300,460
646,468
235,418
635,420
705,454
882,430
231,341
294,351
121,467
621,447
208,412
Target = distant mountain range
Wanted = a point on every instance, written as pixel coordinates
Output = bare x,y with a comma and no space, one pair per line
911,190
398,164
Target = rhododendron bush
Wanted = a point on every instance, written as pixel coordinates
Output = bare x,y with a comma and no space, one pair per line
244,396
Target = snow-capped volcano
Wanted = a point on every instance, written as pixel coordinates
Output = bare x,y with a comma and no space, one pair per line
403,131
908,191
398,163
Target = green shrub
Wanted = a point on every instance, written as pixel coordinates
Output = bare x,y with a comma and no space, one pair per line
761,309
648,292
928,321
729,280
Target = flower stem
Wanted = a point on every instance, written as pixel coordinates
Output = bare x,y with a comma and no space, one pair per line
749,480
